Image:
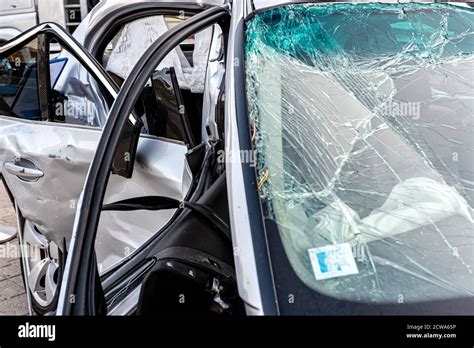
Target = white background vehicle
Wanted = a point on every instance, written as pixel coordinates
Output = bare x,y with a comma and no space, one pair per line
17,16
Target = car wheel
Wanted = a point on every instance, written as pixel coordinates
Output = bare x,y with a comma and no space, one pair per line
42,259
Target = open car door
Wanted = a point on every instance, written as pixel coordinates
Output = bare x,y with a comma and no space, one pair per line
83,291
52,110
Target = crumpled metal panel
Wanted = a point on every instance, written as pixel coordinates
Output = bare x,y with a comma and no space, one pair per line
64,154
364,117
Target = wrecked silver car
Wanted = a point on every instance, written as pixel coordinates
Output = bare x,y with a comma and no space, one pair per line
53,107
346,182
359,200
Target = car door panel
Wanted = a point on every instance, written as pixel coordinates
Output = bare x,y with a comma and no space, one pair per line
160,169
63,152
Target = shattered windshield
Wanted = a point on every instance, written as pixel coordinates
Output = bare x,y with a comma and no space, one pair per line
363,119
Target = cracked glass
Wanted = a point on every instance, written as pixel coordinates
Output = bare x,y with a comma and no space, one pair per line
363,130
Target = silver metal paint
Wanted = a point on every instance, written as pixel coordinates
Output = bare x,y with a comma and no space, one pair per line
64,152
59,151
245,265
24,262
214,76
130,301
23,172
64,155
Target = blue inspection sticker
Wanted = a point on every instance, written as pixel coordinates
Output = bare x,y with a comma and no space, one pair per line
332,261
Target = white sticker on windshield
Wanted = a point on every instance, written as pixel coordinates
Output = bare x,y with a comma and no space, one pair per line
332,261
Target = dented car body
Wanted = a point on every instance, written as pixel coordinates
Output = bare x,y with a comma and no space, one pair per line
47,142
353,194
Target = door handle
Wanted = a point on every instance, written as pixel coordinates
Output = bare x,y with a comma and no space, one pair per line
23,172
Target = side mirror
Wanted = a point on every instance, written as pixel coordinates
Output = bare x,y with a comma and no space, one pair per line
125,153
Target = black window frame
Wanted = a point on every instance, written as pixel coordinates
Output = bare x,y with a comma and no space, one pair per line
48,32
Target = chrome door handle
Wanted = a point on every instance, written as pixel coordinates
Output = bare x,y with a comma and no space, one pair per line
23,172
